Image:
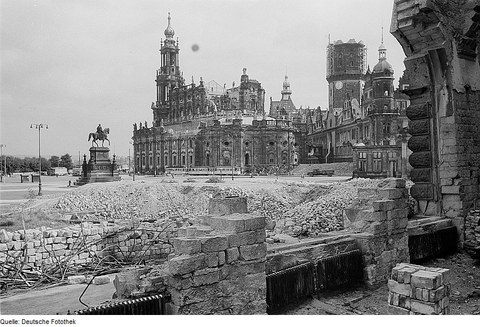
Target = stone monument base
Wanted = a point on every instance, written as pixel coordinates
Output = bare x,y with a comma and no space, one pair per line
99,168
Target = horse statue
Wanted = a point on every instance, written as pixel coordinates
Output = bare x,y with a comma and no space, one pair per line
99,136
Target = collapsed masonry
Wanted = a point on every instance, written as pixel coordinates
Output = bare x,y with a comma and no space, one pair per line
378,221
218,266
441,42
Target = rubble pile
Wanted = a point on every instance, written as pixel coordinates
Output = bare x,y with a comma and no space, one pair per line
296,209
322,213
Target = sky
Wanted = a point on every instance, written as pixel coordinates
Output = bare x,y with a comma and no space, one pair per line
74,64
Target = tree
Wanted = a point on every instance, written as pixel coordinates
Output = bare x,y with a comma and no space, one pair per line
66,161
54,161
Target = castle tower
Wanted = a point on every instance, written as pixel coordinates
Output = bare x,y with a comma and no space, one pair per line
168,76
346,67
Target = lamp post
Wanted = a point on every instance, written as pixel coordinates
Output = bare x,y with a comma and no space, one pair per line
39,127
233,152
133,159
5,162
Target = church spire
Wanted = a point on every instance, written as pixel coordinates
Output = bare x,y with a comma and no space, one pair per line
169,32
382,50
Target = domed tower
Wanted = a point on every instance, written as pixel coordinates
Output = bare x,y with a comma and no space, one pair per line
383,113
286,92
168,76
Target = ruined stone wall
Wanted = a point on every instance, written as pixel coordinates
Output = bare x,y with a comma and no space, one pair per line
472,233
418,290
440,40
218,266
83,243
378,221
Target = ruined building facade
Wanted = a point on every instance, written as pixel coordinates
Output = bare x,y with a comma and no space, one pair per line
366,114
207,127
441,43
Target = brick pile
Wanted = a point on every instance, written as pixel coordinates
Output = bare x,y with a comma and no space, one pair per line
378,220
472,233
418,290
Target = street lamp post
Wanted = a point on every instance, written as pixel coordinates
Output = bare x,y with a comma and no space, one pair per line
233,151
133,160
39,127
5,162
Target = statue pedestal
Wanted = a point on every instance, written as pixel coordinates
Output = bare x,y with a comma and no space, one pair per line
99,168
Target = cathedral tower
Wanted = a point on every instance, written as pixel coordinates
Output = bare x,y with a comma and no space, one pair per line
168,76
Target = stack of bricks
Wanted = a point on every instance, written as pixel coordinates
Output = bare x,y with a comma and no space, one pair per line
378,220
418,290
472,233
219,264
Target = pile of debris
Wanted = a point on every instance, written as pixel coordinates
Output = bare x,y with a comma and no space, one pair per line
296,209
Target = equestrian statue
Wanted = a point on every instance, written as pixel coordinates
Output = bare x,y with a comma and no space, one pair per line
99,135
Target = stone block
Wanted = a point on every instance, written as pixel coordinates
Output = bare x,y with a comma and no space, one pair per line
392,193
245,238
213,243
406,274
425,308
367,193
399,288
183,245
76,279
232,254
254,223
211,259
398,214
252,252
426,279
3,247
101,280
179,282
227,206
383,205
371,216
207,278
185,263
232,223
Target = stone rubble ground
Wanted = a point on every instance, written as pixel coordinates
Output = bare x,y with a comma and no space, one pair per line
295,209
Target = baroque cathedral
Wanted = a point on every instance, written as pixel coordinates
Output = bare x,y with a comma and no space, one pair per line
209,128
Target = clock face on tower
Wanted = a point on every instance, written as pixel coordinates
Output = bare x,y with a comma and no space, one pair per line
338,85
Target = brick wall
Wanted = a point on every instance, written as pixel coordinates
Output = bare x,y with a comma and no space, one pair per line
417,290
378,221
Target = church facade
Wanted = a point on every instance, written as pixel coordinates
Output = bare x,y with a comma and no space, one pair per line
210,128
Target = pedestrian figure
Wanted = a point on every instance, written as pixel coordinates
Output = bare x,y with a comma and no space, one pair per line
69,183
